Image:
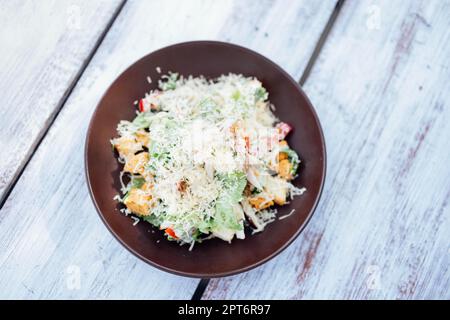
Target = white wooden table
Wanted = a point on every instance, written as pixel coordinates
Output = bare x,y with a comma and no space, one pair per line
377,72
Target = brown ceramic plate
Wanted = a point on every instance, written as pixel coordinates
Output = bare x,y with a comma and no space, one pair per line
213,258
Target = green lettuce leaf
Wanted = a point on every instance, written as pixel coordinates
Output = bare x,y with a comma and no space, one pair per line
292,157
142,121
137,182
233,187
261,94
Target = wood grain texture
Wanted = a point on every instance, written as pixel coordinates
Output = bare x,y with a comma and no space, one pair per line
381,89
44,45
49,230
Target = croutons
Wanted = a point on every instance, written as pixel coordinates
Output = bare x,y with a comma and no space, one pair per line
146,187
136,163
137,202
127,146
284,169
260,203
251,214
278,188
282,156
280,198
143,138
182,186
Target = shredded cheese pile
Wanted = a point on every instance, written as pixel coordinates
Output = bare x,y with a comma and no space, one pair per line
204,158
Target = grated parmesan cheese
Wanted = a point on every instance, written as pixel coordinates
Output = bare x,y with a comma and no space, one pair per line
286,215
202,135
136,220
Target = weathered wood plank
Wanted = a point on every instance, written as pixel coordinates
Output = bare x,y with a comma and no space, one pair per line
44,45
49,230
382,228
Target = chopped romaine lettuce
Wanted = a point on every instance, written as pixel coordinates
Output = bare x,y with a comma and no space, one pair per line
293,158
137,182
236,95
141,121
233,187
154,220
170,81
261,94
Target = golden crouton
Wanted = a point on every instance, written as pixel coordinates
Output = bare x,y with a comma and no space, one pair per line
280,195
260,203
278,189
283,143
282,156
138,202
143,138
136,163
146,187
127,146
284,169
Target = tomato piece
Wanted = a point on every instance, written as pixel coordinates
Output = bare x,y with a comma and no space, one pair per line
141,105
247,143
171,233
283,129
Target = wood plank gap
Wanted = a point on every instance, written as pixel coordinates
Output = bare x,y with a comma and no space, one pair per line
320,43
201,287
203,284
60,106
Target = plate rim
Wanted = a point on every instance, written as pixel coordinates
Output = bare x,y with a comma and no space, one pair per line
234,271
